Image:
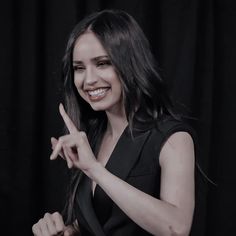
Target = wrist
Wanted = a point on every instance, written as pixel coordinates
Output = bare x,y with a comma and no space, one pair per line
95,171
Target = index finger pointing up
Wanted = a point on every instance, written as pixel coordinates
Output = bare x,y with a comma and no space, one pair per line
69,123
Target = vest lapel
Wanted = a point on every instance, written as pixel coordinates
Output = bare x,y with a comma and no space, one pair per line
126,153
86,208
121,161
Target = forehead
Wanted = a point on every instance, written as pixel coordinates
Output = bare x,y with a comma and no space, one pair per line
88,46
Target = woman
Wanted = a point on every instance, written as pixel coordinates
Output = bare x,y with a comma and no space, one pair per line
132,157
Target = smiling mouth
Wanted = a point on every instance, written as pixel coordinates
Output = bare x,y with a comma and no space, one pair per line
97,94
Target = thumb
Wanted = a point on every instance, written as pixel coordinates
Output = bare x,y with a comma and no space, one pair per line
70,231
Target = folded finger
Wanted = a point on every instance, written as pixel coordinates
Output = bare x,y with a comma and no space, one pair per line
58,221
72,152
56,150
50,224
36,230
44,228
67,156
54,142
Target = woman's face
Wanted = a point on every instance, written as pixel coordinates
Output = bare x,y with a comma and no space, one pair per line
94,76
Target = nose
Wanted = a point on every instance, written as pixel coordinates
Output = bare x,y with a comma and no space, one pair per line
90,77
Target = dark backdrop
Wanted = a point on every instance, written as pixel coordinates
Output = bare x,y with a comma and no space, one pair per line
194,41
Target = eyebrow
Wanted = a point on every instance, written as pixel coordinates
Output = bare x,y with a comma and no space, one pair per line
95,59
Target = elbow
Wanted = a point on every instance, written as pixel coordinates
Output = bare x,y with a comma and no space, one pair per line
180,230
173,231
181,226
177,229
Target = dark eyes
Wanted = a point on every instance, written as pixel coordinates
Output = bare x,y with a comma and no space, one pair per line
78,68
103,63
99,64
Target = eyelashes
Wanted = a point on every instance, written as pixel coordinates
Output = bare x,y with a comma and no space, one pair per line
99,64
78,68
103,63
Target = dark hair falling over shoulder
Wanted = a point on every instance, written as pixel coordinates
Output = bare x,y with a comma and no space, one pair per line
145,97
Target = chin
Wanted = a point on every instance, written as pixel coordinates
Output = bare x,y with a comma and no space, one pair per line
98,108
104,106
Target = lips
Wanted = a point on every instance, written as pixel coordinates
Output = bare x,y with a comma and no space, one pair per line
97,94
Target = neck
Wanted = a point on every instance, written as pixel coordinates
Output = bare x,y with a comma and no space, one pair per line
116,124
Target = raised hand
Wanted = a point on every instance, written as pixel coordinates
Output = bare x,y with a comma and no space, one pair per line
52,224
74,147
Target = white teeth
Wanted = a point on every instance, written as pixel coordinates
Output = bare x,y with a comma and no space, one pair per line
97,92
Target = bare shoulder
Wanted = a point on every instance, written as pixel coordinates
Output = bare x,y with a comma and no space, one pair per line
179,146
177,161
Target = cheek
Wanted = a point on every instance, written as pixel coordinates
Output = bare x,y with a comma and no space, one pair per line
118,87
79,85
120,94
78,82
82,95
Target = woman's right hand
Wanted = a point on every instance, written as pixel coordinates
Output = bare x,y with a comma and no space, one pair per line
52,224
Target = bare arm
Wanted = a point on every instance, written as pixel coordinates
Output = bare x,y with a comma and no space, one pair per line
172,214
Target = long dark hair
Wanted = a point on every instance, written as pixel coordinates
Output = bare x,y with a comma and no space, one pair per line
144,94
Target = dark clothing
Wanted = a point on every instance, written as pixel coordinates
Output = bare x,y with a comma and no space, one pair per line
136,161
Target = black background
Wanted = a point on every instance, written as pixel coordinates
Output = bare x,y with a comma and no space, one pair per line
194,42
